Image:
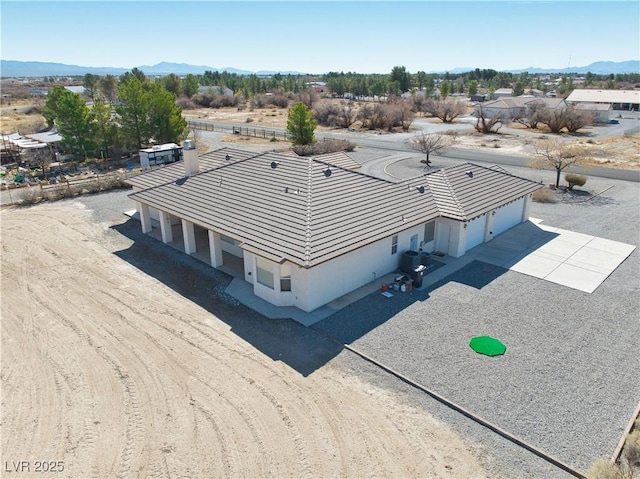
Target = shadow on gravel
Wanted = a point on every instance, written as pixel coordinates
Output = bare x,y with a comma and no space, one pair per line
362,317
282,340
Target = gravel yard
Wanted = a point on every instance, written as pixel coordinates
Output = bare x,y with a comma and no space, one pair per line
568,382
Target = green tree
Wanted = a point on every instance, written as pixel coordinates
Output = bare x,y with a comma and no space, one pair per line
90,83
190,85
73,120
401,76
301,124
104,129
444,89
167,125
109,88
50,110
473,87
133,112
172,83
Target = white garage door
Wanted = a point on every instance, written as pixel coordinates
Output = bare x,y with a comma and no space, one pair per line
475,232
508,216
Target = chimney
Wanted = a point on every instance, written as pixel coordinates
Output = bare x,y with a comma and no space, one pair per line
190,155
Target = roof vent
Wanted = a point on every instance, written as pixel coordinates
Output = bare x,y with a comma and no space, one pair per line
327,172
420,189
274,165
227,157
469,173
291,190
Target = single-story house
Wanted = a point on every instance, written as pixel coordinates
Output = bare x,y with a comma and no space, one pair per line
601,112
308,231
618,99
215,90
516,107
503,92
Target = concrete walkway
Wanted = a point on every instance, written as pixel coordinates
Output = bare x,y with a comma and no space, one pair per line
563,257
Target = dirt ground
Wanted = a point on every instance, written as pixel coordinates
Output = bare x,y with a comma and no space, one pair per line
514,139
115,374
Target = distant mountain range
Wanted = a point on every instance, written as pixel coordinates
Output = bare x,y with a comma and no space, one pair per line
12,68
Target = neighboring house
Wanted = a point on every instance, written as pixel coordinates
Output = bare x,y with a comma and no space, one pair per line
39,92
318,86
516,107
534,92
503,92
216,90
80,90
601,112
308,231
618,99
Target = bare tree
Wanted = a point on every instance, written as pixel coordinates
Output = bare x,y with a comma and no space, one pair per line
347,115
429,143
445,110
487,123
533,112
576,119
43,158
555,119
557,154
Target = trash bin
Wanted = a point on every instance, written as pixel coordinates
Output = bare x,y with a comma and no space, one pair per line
417,275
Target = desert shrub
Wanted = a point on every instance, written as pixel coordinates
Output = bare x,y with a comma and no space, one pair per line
221,101
32,195
632,449
575,180
544,195
249,119
202,99
603,469
185,103
324,146
277,99
326,114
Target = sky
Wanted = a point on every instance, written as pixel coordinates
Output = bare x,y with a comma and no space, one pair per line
322,36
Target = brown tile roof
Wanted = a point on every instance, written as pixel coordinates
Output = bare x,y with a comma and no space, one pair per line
466,191
170,172
295,211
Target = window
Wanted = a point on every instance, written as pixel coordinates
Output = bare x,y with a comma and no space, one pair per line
394,244
429,231
285,283
264,272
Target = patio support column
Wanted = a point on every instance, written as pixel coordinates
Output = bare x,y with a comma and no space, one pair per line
145,217
165,227
215,248
189,237
488,227
526,208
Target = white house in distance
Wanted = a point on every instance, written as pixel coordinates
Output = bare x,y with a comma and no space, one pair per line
308,231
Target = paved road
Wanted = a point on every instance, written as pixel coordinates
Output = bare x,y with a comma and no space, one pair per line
397,143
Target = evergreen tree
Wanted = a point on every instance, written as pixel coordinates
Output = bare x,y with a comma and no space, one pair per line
301,124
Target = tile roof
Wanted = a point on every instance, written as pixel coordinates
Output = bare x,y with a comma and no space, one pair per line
466,191
285,207
170,172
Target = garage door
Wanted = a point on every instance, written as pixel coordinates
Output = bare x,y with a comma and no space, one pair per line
508,216
475,232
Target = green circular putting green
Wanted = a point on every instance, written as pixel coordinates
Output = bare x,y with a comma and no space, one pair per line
487,345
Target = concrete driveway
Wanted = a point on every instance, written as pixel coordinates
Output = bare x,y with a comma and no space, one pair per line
574,260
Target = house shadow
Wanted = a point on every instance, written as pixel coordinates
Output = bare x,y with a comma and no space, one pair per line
281,340
305,349
476,269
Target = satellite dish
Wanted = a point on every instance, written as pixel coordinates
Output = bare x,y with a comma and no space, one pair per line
327,172
274,164
420,189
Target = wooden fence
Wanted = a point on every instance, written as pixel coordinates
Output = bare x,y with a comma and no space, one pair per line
238,130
